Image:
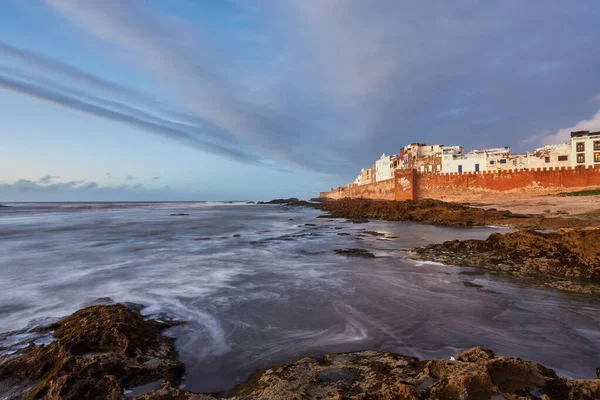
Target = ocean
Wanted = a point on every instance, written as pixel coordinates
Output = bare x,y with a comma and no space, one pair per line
259,285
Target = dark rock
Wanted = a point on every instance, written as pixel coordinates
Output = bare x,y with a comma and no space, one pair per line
567,259
373,233
179,215
237,235
343,234
438,212
310,225
471,284
99,351
355,253
103,352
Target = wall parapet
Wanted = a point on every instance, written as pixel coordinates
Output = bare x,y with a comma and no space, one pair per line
484,185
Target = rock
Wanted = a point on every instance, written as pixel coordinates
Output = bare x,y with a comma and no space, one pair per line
373,233
310,225
355,253
237,235
438,212
99,351
178,215
475,374
567,259
103,352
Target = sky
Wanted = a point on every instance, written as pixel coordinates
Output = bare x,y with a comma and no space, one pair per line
135,100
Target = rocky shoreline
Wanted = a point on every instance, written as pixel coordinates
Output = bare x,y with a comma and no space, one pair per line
111,351
567,259
559,252
436,212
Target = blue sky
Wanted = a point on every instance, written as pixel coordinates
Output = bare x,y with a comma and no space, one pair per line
232,99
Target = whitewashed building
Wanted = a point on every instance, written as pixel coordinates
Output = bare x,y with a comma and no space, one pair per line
383,168
585,148
455,160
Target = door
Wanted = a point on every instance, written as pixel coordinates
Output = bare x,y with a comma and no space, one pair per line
476,167
460,169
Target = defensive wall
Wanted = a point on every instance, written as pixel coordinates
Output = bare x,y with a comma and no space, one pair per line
485,185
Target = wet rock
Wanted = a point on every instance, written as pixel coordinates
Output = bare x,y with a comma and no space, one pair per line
475,374
567,259
99,351
111,352
373,233
310,225
178,215
438,212
471,284
237,235
355,253
343,234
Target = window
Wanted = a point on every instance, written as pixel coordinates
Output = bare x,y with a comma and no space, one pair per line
503,161
547,159
476,167
460,168
492,162
597,157
580,147
563,158
580,158
597,146
514,162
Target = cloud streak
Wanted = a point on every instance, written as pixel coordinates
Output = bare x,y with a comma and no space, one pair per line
329,85
155,125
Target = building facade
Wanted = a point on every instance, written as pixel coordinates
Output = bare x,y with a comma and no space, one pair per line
585,148
383,168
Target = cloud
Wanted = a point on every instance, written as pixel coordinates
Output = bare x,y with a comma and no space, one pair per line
154,125
203,79
155,178
47,179
563,135
329,85
130,178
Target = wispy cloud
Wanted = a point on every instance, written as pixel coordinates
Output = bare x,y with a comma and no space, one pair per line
47,179
154,125
332,84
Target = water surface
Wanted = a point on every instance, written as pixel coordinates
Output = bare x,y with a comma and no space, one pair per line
278,292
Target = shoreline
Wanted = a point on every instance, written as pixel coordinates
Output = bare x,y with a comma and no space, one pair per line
559,252
94,354
112,352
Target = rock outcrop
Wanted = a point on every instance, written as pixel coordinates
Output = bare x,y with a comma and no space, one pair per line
438,212
98,353
101,351
567,259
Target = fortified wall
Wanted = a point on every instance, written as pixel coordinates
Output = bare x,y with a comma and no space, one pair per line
468,186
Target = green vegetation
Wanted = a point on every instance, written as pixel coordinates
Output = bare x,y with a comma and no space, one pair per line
594,192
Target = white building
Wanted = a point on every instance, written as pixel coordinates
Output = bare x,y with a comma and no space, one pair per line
383,168
585,148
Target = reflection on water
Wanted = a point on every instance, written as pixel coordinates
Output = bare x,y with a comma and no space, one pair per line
277,291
